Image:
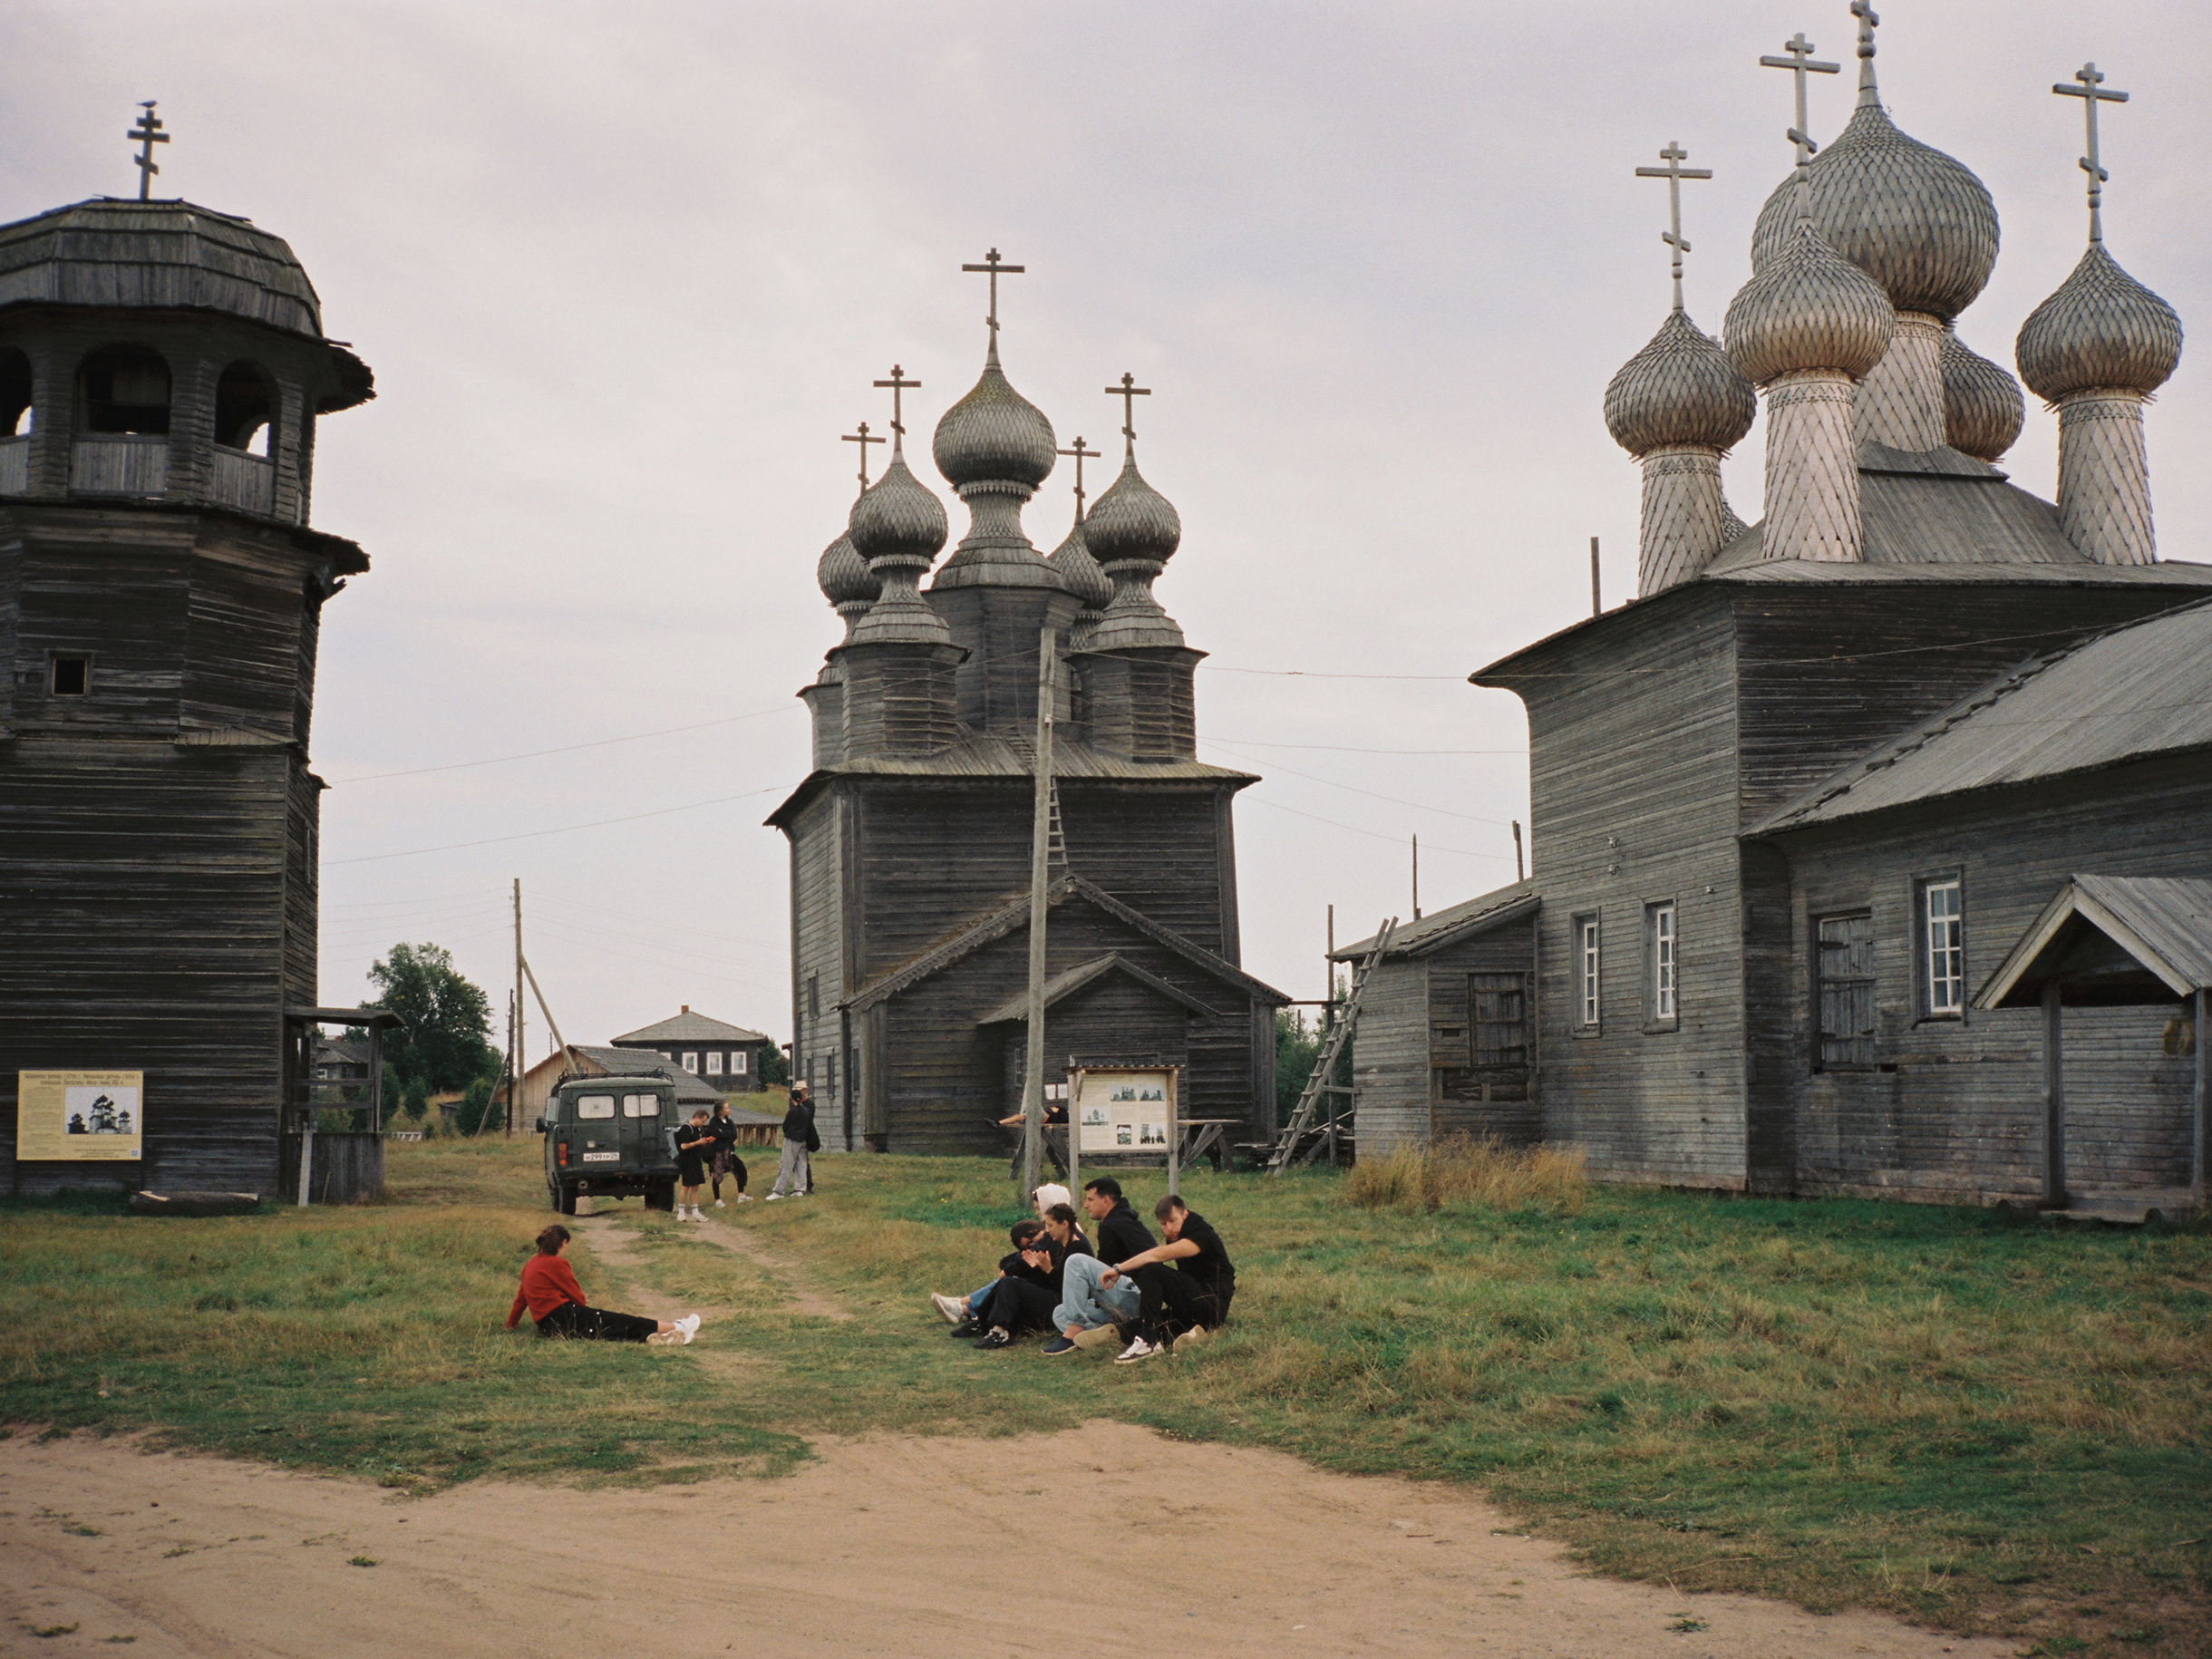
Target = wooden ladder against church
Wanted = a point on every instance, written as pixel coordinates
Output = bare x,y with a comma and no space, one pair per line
1324,1078
1055,837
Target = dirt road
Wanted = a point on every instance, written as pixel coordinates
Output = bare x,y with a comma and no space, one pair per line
1102,1537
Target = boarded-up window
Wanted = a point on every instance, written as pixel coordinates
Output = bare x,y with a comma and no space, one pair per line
1845,971
1495,1004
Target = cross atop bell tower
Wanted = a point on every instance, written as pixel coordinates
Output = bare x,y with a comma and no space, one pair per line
1674,172
148,132
2091,94
994,266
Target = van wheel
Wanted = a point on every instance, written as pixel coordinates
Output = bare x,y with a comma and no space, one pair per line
660,1198
564,1200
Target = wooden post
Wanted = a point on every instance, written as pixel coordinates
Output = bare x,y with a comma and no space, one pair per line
1075,1149
521,1046
1417,878
1175,1129
560,1041
1597,605
377,1080
1040,838
2054,1101
1519,874
514,1073
2199,1151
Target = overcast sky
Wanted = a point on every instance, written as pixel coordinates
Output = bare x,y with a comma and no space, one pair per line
626,271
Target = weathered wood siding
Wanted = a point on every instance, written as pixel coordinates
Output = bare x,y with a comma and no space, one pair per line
1633,784
1953,1107
1390,1059
1467,1098
818,948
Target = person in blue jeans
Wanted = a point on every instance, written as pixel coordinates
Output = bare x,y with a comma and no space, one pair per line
963,1312
1090,1308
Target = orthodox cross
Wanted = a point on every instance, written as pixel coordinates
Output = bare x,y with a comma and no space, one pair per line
898,382
149,134
863,439
1799,63
1129,391
2091,94
994,266
1867,21
1674,172
1081,452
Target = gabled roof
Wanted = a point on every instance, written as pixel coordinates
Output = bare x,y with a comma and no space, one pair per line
2163,923
691,1090
2138,691
1447,926
689,1027
1014,914
976,756
1089,973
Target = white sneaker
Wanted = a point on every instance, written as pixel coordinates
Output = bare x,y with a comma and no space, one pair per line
773,1197
1190,1339
688,1326
745,1198
719,1204
1139,1349
953,1307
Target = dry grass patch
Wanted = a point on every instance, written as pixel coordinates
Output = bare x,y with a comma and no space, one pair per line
1462,1170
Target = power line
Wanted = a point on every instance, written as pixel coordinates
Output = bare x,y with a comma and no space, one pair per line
526,835
534,754
1378,835
1371,795
1253,742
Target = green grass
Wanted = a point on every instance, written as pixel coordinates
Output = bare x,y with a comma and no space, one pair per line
1978,1426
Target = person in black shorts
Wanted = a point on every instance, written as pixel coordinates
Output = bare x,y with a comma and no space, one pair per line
694,1146
1177,1304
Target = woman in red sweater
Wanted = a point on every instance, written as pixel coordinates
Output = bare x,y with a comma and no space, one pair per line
556,1303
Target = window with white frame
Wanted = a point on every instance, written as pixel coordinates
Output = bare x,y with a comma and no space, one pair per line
713,1062
691,1059
1943,934
1664,944
1585,971
738,1059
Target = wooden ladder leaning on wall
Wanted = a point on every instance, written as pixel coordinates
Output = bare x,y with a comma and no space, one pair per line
1324,1078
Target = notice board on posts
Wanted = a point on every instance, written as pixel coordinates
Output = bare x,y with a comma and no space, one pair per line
1124,1111
86,1116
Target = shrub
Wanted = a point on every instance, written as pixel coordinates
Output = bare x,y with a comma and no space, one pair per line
1467,1169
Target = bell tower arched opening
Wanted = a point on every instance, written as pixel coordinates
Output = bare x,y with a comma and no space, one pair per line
15,421
121,442
246,408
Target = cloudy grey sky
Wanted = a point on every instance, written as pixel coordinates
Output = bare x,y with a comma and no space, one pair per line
626,271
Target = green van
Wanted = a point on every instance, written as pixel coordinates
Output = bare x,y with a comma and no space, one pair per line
611,1138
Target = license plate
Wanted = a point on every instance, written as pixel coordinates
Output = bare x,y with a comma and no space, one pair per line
602,1157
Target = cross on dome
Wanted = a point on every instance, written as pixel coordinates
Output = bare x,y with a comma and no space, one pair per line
994,266
1129,391
898,382
148,132
2091,94
1674,172
863,438
1800,62
1869,21
1082,452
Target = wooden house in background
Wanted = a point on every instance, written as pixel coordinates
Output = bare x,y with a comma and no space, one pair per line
1794,806
911,838
727,1057
164,369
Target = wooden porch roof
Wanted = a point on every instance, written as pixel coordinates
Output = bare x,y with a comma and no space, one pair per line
2113,939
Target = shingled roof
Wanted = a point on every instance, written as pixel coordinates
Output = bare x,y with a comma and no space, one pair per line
689,1027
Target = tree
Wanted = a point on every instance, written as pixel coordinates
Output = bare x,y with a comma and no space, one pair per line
1298,1045
774,1067
474,1108
444,1018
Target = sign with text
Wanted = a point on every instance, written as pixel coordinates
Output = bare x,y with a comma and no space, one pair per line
80,1115
1130,1111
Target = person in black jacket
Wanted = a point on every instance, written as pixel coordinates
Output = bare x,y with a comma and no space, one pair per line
727,1164
1179,1304
793,1173
1089,1308
1031,1280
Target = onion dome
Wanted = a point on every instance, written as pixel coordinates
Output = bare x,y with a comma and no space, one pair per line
1910,217
994,435
1982,407
1808,308
896,521
844,575
1080,571
1131,522
1681,388
2102,329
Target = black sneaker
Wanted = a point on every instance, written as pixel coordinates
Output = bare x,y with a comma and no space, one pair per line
997,1337
1058,1346
969,1329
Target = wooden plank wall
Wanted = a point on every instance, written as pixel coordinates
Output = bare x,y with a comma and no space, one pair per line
1954,1111
1511,1110
818,923
1633,800
1390,1059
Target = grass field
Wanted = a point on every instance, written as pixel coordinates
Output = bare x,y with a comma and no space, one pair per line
1981,1427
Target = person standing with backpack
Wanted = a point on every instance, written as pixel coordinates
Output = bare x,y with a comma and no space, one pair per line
793,1174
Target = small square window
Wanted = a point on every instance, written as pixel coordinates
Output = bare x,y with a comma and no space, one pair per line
690,1061
72,676
713,1062
737,1063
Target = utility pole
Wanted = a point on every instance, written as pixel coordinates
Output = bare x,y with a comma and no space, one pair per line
1597,605
514,1073
521,1049
1519,873
1040,850
1417,878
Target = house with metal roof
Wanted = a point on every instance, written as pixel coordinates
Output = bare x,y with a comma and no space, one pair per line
728,1057
1793,805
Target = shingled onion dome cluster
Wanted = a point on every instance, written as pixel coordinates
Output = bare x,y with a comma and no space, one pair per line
1082,577
2098,348
1804,329
1917,222
995,447
846,580
1982,407
1131,531
898,529
1678,406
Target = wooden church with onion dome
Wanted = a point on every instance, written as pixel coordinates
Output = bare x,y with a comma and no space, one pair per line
910,837
1871,843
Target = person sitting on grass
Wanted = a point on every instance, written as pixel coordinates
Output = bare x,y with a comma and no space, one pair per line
694,1146
1092,1303
556,1303
962,1311
1020,1302
972,1324
1177,1306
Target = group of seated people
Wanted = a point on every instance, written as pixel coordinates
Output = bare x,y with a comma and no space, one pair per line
1131,1287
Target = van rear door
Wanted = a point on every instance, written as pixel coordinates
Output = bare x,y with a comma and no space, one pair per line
595,1144
644,1131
